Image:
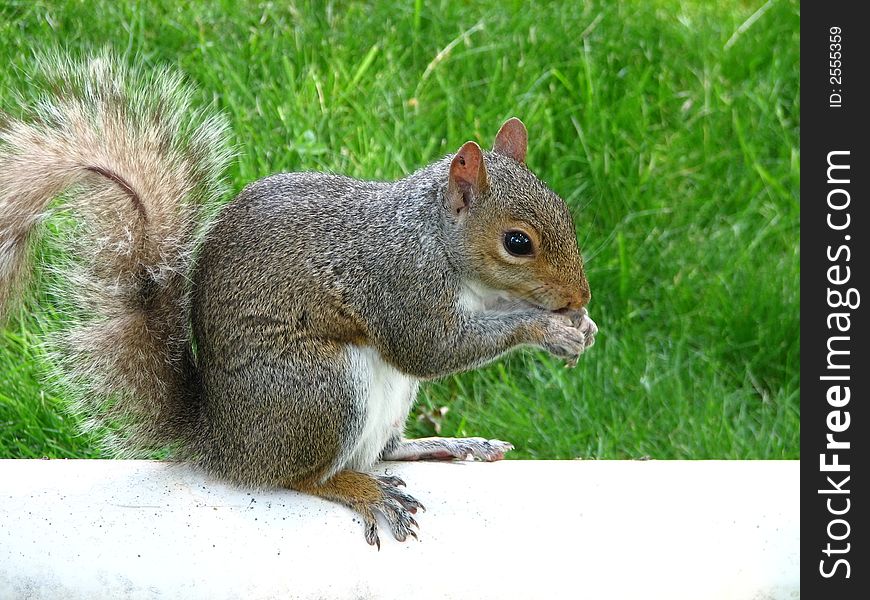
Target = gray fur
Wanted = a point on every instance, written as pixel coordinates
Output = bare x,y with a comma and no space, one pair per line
295,273
298,266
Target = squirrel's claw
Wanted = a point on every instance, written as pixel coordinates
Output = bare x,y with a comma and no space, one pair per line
391,480
398,517
396,508
369,495
489,450
407,501
478,448
371,530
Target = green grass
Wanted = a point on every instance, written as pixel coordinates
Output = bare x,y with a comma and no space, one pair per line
677,149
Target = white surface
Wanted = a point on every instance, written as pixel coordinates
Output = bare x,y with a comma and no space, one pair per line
513,529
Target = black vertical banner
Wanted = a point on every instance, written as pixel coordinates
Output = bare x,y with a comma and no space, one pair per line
835,225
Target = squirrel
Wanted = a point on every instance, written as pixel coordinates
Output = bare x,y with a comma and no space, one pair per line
278,340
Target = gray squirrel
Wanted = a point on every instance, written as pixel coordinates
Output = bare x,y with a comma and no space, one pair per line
282,341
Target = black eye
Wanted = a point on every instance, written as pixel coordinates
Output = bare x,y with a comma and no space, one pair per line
517,243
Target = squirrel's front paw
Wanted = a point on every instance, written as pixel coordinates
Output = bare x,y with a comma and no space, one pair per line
582,321
569,334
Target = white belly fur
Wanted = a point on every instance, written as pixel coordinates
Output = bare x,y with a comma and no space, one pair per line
388,395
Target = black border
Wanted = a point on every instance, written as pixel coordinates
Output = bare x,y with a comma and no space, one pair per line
825,129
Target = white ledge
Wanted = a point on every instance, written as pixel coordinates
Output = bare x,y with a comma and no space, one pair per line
514,529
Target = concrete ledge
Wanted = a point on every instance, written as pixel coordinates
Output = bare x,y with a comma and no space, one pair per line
513,529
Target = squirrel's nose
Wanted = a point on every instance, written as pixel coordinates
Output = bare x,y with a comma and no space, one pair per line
580,298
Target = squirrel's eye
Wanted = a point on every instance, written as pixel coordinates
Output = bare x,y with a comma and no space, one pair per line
517,243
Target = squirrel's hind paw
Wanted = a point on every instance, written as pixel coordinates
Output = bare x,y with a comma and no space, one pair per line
390,486
369,495
438,448
483,449
396,507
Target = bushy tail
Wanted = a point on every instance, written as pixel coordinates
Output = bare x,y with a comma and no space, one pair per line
136,166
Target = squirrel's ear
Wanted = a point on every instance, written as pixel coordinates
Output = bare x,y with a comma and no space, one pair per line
512,140
467,178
